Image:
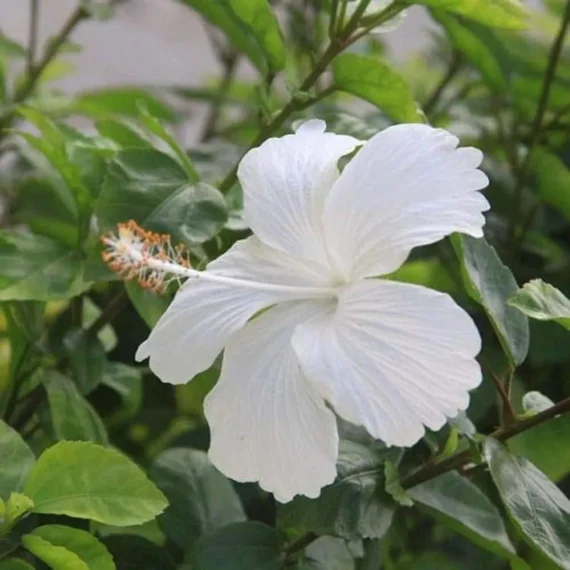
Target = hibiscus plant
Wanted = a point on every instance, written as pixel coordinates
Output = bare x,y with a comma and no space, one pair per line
331,332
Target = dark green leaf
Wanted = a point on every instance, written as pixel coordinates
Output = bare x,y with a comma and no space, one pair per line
542,301
375,82
151,188
72,416
127,382
84,480
132,552
508,14
239,546
33,267
122,133
461,505
16,459
149,305
15,564
354,506
328,553
552,180
535,504
201,498
491,284
86,357
85,546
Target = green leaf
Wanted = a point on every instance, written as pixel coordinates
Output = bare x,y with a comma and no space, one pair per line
393,486
86,358
121,101
86,481
480,47
354,506
11,48
201,498
122,133
127,382
16,507
508,14
91,552
151,188
542,301
491,284
149,305
328,553
56,557
375,82
552,180
250,26
72,416
34,267
14,564
536,505
132,552
462,506
155,127
546,445
239,546
16,459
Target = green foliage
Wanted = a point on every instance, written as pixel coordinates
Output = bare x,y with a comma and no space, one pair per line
104,468
535,504
83,480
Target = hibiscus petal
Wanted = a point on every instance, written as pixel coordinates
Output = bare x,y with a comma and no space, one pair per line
284,182
408,186
267,423
193,331
392,357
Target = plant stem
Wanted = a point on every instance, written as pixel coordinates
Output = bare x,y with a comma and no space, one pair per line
301,543
36,71
33,36
549,76
109,313
459,459
452,70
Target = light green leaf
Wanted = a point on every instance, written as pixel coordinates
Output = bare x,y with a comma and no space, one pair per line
535,504
509,14
151,188
239,546
354,506
86,358
72,416
11,48
491,284
133,552
542,301
375,82
86,481
534,402
201,498
56,557
461,505
34,267
121,101
122,133
250,26
552,180
15,564
90,551
16,459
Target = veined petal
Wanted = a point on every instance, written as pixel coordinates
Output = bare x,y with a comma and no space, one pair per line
284,182
392,357
193,331
408,186
267,423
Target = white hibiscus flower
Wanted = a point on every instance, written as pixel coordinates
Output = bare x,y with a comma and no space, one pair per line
392,357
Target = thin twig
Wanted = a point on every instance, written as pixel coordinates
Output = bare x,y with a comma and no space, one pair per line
33,36
452,70
542,107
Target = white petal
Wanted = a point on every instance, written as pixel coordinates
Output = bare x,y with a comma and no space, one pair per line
392,357
408,186
193,331
267,423
284,182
